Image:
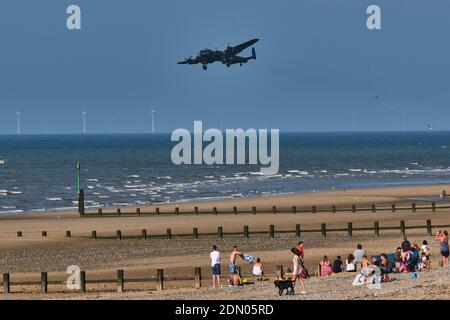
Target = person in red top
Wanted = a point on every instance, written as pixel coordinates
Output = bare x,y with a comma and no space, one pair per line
301,249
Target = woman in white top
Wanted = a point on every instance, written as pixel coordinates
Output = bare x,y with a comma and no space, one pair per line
258,269
298,267
350,263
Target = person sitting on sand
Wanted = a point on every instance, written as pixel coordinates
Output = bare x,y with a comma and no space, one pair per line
442,237
406,246
358,254
234,254
385,264
375,261
398,259
337,265
236,279
325,267
350,263
258,269
365,263
423,264
298,268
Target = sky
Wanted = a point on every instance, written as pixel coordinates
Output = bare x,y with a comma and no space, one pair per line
318,67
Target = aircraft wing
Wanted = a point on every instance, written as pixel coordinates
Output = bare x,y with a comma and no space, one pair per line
239,48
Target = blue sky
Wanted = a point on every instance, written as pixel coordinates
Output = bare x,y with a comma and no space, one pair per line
318,67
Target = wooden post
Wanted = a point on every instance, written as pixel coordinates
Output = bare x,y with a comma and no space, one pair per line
333,208
402,228
280,271
120,281
177,210
353,208
119,235
68,234
393,207
83,281
169,233
297,231
413,207
119,212
313,209
6,283
44,233
433,206
324,230
100,211
94,234
215,211
81,202
374,208
245,231
350,229
429,228
195,233
157,211
376,228
160,279
235,211
19,234
272,231
198,278
138,211
44,282
294,209
274,209
220,232
144,234
254,210
196,210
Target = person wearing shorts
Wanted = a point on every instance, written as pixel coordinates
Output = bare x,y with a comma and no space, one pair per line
232,265
442,237
215,266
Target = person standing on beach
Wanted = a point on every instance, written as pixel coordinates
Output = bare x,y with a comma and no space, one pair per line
442,237
359,253
215,266
234,254
298,268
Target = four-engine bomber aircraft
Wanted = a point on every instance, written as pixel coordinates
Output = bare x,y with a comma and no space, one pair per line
227,57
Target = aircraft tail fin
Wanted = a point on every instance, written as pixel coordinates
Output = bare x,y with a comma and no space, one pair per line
253,53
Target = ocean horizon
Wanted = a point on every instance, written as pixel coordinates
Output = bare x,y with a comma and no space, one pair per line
39,171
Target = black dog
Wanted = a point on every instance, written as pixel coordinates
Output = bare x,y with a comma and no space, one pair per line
284,285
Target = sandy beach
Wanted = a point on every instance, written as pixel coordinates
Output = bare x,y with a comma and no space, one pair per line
25,257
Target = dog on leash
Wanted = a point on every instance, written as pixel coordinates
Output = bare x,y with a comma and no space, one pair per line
284,285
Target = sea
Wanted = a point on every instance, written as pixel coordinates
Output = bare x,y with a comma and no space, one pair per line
38,173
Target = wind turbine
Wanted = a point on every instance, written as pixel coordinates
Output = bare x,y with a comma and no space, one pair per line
18,114
83,115
153,121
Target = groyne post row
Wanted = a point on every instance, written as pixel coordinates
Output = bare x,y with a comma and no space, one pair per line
246,233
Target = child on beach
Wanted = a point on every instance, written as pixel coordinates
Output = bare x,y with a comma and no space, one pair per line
325,267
